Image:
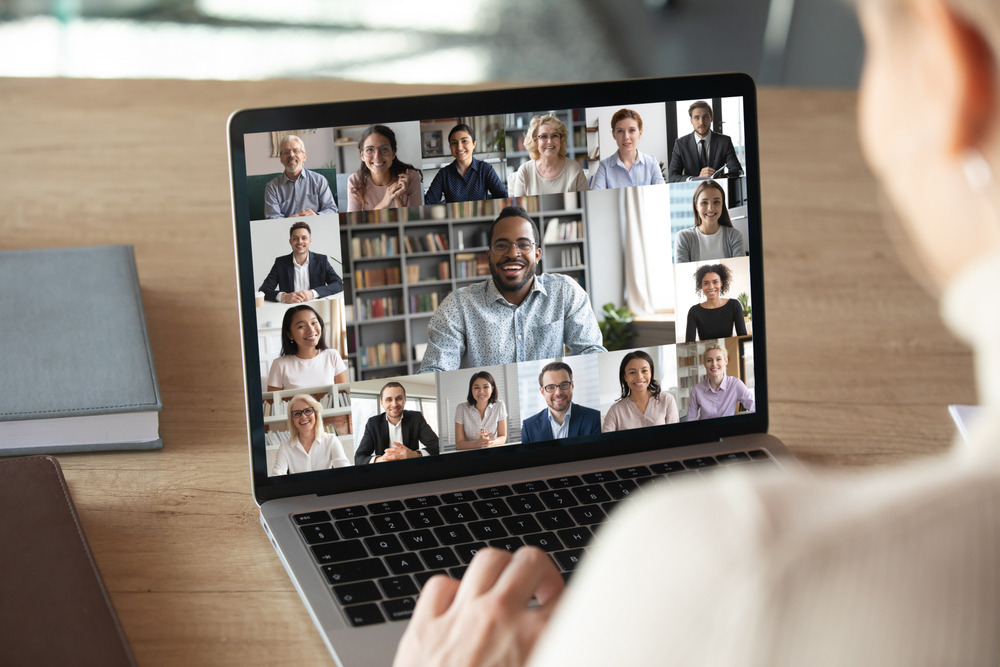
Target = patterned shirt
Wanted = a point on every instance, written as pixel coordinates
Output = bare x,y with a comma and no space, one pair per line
468,416
480,182
475,326
284,198
707,403
613,174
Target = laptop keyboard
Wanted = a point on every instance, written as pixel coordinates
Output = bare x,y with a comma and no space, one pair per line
376,558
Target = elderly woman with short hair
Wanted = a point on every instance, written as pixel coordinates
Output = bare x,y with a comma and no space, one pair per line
548,171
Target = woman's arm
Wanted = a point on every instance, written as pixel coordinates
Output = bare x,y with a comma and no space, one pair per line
501,434
682,246
460,441
434,192
280,463
741,324
672,414
690,335
340,378
494,185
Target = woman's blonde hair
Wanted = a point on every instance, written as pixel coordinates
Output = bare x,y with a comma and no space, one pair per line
531,144
717,346
293,429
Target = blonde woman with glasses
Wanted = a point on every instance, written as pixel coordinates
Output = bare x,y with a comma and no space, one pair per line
548,171
309,447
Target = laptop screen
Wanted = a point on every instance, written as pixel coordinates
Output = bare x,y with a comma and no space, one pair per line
461,283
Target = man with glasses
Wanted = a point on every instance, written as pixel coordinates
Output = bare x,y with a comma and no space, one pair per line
514,315
563,418
297,191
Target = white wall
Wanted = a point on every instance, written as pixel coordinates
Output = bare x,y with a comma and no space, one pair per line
654,129
664,372
686,296
269,239
604,244
320,151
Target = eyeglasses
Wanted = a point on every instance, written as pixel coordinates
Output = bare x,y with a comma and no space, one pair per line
308,412
555,136
523,247
292,151
551,388
384,151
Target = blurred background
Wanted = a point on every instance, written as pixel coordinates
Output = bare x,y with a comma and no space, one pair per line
805,43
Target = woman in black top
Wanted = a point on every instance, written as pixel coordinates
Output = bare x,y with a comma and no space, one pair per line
715,316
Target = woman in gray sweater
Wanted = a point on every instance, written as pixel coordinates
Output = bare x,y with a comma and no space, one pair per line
713,237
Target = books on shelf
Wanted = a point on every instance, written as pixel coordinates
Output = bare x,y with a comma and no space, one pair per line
339,424
693,360
571,257
471,265
382,354
377,277
329,401
424,303
426,243
375,246
373,309
563,230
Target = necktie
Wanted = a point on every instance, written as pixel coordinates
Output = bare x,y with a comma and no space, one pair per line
701,154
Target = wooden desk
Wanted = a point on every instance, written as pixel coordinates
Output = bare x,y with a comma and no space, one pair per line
861,369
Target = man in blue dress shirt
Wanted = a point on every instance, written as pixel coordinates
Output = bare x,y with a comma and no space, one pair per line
515,315
297,191
562,418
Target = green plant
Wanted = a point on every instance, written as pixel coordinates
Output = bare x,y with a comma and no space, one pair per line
616,326
744,300
499,143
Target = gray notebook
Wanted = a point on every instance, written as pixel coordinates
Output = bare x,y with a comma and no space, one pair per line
76,362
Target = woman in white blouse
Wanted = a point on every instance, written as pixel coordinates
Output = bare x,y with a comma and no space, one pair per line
548,171
482,420
309,447
305,360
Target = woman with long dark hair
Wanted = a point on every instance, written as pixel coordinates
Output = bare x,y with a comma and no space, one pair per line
713,235
465,179
643,402
382,180
481,421
305,359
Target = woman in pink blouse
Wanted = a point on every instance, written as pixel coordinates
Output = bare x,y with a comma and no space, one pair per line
382,180
643,403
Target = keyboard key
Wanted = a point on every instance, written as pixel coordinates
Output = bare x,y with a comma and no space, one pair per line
700,462
386,507
362,591
529,487
544,541
397,587
422,577
494,492
599,477
525,503
352,512
558,498
418,539
491,509
403,564
355,570
424,518
389,523
511,544
569,559
458,497
453,534
459,513
441,557
565,482
458,572
609,507
521,525
311,517
587,515
591,494
758,455
664,468
364,614
399,610
734,457
575,537
679,476
422,501
653,483
467,551
322,532
355,528
622,489
633,472
487,530
339,552
555,520
383,545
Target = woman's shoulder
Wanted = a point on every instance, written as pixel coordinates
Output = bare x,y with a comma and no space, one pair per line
354,179
331,352
572,166
528,166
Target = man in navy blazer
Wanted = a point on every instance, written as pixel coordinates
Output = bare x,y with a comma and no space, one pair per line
562,418
302,275
691,160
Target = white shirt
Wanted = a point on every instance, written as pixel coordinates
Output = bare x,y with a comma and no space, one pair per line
711,245
326,452
300,277
875,569
291,372
396,435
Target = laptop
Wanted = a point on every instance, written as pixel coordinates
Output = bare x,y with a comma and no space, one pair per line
489,319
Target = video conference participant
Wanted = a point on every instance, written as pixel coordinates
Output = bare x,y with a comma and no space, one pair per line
718,394
482,420
309,447
396,434
713,236
465,179
627,166
714,317
514,315
305,360
297,191
548,171
643,403
382,180
703,152
562,418
302,275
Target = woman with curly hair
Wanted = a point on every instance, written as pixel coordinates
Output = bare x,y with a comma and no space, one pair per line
643,402
548,171
382,180
714,317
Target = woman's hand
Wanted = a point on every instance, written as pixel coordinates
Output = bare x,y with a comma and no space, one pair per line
485,620
391,193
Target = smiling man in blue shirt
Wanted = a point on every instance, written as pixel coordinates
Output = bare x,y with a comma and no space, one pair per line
515,315
296,191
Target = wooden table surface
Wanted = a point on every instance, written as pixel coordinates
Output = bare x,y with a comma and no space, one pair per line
861,368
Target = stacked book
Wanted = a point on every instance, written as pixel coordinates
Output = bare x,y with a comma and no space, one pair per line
375,246
570,230
377,277
426,243
373,309
424,303
471,265
571,257
382,354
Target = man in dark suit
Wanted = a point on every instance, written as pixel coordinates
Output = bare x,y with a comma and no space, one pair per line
703,152
303,275
396,434
563,418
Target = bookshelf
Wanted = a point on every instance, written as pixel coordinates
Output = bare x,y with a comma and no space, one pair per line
419,255
336,396
690,371
516,124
